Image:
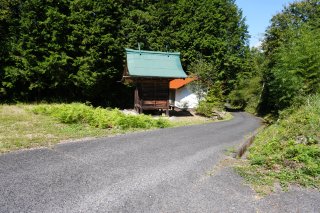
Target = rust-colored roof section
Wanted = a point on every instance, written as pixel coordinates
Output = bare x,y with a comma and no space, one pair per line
177,83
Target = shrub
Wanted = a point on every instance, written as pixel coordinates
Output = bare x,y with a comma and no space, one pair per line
213,102
98,117
205,108
292,145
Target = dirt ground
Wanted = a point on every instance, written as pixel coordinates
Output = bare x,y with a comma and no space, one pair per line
179,117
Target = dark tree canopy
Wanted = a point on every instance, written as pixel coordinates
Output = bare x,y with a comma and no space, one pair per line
74,49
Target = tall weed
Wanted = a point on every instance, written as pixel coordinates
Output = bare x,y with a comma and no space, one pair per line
289,150
98,117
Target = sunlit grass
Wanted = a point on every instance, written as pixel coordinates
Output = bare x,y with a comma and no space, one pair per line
22,128
288,151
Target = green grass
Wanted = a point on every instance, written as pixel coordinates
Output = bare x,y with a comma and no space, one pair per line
78,113
20,128
258,179
27,126
288,151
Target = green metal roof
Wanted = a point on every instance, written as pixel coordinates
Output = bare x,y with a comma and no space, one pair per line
143,63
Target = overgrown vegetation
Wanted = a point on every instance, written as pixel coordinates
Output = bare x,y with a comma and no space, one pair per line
283,85
27,126
20,128
289,150
98,117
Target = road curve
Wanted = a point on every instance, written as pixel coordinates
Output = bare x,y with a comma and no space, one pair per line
164,170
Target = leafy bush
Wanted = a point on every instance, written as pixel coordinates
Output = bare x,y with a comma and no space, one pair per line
205,108
98,117
289,150
213,101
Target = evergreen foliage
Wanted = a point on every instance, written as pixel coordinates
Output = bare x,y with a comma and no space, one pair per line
248,86
287,68
296,72
292,50
74,49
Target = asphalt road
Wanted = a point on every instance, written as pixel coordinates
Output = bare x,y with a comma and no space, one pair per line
165,170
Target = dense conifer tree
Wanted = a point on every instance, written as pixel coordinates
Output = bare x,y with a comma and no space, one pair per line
74,49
